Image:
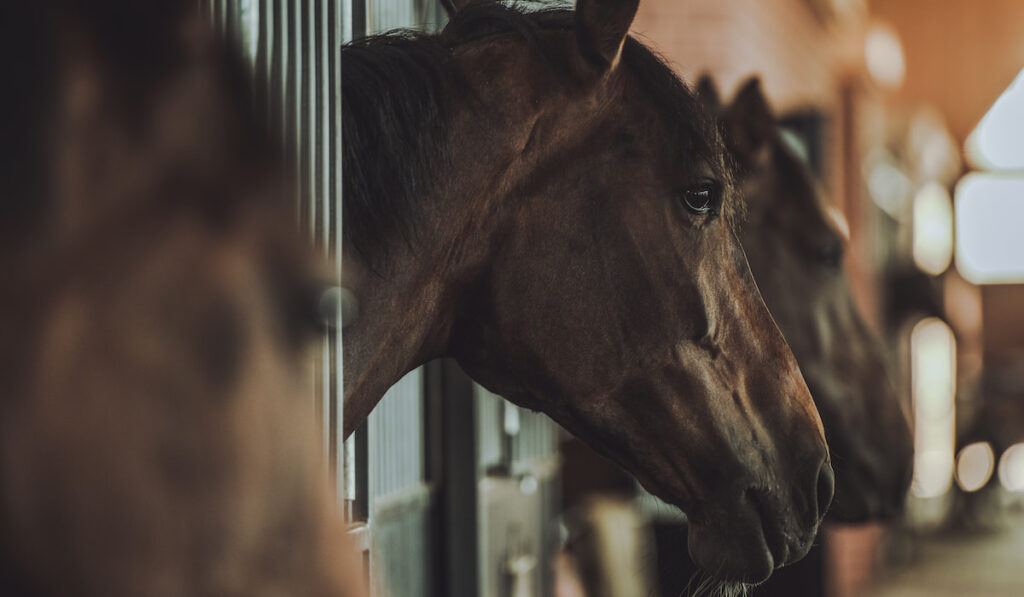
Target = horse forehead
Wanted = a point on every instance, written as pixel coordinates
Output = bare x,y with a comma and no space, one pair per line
507,68
506,72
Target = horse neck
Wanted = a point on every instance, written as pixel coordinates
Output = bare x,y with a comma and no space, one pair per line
406,313
399,325
406,306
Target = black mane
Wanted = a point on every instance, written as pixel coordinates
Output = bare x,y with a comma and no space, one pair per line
392,133
394,119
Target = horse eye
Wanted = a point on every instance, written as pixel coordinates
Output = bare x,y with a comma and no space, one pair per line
831,255
702,198
302,312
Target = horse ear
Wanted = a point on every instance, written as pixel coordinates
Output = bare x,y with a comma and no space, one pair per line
453,6
749,119
601,29
707,94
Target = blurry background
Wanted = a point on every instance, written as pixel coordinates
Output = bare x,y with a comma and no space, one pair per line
911,115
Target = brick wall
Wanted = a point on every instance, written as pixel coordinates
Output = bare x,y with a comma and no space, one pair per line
781,40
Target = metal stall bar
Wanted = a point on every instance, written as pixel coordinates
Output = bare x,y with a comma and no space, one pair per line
341,11
288,45
353,464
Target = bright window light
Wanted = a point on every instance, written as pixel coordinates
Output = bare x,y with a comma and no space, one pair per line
1011,468
995,142
933,229
974,466
989,239
933,387
883,56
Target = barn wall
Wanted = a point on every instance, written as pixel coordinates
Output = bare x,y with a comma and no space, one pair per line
781,41
960,54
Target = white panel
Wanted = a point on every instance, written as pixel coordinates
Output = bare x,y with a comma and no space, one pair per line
989,216
384,15
395,439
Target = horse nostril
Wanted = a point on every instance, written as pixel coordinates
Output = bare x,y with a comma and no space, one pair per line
826,487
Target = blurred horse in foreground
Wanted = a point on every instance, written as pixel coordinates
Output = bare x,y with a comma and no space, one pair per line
156,435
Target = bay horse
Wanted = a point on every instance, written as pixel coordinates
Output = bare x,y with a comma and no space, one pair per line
795,248
541,197
156,435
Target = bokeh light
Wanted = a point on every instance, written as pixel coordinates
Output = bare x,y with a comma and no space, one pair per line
883,56
933,229
933,383
1011,468
974,466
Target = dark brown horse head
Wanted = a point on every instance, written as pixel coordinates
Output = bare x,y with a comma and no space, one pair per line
575,252
156,431
795,247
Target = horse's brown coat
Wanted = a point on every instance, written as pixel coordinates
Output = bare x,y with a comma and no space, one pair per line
556,260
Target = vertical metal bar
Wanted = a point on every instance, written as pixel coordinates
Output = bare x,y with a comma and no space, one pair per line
261,62
304,147
276,84
344,21
297,101
331,221
360,18
283,75
460,499
323,220
310,97
245,23
229,27
343,32
323,86
263,59
222,18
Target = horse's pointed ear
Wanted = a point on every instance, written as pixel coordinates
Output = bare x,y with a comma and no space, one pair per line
707,94
601,29
749,119
453,6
